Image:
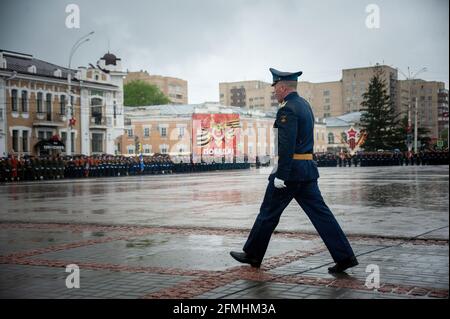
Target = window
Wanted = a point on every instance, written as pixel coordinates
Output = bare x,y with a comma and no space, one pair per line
72,142
163,131
24,101
115,109
130,150
147,150
39,102
96,110
330,138
180,132
48,106
326,93
15,140
97,142
1,114
62,105
64,137
164,149
48,134
146,132
41,135
327,100
130,132
14,100
25,141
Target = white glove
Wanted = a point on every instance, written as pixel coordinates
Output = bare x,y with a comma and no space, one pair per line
278,183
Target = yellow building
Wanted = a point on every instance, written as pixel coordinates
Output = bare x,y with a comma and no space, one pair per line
169,129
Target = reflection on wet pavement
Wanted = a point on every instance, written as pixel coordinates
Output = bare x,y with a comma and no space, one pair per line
390,201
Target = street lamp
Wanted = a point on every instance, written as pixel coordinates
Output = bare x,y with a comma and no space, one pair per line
416,106
69,110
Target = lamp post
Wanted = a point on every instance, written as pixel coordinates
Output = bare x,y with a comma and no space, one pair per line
69,110
410,77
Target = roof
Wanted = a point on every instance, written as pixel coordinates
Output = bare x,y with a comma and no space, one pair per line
20,63
189,109
347,119
110,59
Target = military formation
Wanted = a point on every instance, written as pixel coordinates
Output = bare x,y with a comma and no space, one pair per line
58,167
364,159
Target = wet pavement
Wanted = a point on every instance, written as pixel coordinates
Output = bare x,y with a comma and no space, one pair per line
168,236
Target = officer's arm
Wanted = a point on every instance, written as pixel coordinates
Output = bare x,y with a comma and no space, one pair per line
287,133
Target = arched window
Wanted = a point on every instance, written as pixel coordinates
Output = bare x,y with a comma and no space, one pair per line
330,138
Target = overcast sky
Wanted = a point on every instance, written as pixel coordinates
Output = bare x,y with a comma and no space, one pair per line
210,41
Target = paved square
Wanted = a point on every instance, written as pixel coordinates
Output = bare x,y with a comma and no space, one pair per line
170,237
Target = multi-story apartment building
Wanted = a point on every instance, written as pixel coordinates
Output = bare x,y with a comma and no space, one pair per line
249,95
356,81
325,98
432,105
332,99
34,105
175,89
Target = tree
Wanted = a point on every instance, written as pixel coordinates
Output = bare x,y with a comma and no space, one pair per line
379,119
140,93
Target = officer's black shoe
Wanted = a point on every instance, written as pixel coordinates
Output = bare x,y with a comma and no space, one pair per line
246,259
343,265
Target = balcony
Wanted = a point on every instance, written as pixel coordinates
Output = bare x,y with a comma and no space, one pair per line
98,122
45,119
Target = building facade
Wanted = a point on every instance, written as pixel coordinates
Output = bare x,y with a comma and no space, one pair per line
34,105
432,105
251,95
339,132
175,89
171,129
336,98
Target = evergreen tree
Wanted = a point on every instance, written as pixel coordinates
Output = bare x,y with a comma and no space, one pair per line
379,119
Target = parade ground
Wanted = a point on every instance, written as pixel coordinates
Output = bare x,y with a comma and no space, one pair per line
169,236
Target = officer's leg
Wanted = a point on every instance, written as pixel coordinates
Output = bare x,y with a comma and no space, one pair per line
273,205
311,201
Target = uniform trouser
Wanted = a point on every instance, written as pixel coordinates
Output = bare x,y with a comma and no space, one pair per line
307,195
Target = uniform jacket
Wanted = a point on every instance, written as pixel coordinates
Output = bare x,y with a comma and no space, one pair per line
295,124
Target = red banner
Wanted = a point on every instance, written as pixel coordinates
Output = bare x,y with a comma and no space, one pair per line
215,135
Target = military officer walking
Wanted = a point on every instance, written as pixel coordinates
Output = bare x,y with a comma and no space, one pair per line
295,177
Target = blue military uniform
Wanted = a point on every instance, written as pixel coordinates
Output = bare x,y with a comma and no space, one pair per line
295,124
